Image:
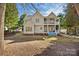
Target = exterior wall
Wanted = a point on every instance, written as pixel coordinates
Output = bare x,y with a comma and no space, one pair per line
39,24
28,23
36,26
53,21
39,29
38,16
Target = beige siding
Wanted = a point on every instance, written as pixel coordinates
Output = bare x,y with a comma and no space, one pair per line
39,29
38,16
37,23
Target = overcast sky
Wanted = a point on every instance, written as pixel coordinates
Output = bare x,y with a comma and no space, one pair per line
44,8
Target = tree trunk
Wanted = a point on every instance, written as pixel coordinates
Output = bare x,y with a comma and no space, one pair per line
68,30
2,15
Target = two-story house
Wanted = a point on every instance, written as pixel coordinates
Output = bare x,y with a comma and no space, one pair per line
39,24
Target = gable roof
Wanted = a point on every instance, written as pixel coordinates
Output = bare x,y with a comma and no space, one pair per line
37,12
51,14
42,15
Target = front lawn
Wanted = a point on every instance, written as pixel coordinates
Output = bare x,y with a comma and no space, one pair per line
20,44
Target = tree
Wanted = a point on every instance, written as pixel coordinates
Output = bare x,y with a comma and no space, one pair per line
11,16
71,19
24,5
62,20
21,21
2,16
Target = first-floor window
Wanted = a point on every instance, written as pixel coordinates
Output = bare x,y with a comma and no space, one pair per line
28,28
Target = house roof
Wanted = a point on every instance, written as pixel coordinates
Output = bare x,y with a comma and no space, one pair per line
41,14
38,13
51,14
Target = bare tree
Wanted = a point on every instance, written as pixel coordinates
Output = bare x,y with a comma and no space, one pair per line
2,16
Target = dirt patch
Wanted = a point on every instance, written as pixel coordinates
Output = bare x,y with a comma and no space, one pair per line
36,46
29,48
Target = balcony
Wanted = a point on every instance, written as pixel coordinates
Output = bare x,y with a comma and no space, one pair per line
49,22
53,22
57,22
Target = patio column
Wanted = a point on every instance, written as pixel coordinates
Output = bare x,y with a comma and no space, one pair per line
55,26
59,26
24,28
33,28
2,15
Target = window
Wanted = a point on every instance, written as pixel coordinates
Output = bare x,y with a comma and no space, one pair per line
28,28
45,20
37,20
52,20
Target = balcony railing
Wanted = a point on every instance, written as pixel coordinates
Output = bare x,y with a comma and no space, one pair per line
57,22
49,22
45,22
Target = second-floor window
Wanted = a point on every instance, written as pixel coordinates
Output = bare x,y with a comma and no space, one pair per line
52,20
45,20
37,20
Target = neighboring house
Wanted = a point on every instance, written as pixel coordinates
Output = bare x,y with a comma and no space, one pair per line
39,24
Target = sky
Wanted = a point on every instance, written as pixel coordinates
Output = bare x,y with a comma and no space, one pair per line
44,8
